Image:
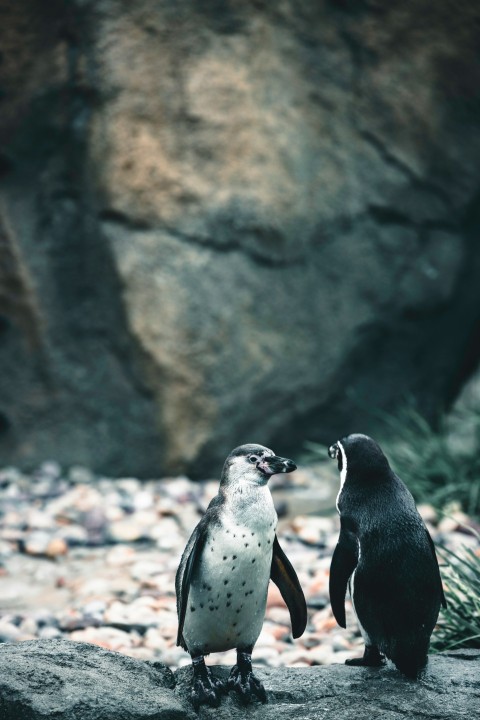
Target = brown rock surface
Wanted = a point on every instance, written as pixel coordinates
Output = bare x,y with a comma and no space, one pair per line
231,222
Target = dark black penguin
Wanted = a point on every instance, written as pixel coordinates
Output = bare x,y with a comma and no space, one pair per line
223,577
386,556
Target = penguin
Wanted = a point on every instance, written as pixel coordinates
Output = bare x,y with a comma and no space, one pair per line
222,580
386,557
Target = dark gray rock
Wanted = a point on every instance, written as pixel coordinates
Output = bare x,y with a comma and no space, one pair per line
231,222
450,690
65,680
62,680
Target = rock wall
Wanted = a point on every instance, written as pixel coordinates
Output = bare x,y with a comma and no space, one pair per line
66,681
235,221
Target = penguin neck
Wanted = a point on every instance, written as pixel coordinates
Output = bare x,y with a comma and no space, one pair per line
249,503
368,477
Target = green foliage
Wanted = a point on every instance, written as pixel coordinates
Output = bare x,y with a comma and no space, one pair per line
436,469
459,624
443,471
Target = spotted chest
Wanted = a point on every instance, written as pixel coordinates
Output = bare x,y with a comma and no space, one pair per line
228,593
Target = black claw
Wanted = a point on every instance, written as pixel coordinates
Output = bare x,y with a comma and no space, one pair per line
202,695
371,658
258,688
243,681
206,689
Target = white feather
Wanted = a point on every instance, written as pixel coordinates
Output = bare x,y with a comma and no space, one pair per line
343,472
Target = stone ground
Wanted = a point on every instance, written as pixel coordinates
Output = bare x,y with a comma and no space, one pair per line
68,681
93,559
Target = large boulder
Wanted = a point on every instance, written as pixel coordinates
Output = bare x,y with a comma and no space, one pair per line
232,222
71,681
64,680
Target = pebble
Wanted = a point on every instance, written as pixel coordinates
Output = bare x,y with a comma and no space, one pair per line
49,633
8,632
279,615
145,569
94,559
428,513
155,640
6,548
265,656
312,530
73,535
454,521
44,618
129,530
50,468
36,542
80,475
109,638
120,555
167,533
57,546
130,616
274,597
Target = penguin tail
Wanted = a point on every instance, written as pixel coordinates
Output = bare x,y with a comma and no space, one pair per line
411,667
410,659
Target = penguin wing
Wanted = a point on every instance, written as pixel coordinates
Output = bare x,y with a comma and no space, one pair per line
285,578
432,548
187,566
344,562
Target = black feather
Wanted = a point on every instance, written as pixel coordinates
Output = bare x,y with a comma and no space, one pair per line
285,578
344,562
190,560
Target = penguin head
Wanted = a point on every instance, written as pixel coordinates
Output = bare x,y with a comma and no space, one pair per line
361,456
254,464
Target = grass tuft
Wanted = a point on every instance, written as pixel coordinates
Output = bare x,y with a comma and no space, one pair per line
459,624
436,469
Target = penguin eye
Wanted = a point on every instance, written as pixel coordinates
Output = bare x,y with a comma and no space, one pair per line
253,459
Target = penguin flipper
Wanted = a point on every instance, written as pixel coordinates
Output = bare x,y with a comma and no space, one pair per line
432,548
189,562
344,562
285,578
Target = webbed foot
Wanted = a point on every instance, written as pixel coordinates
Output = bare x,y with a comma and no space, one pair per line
372,657
243,681
206,689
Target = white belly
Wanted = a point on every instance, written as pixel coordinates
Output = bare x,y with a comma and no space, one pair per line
228,594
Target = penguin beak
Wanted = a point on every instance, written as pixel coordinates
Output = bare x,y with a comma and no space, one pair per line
273,465
333,451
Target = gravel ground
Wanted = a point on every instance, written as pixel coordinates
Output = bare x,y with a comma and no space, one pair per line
94,559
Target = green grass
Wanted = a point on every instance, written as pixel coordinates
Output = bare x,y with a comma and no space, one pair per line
435,469
444,473
459,624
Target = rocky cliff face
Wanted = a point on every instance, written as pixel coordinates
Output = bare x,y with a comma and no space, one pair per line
231,221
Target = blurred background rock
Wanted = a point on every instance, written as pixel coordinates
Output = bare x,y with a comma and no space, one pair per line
224,222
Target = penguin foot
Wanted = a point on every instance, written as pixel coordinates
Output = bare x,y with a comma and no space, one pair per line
243,681
206,690
371,658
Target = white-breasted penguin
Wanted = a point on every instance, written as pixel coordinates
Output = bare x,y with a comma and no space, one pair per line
387,558
223,576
